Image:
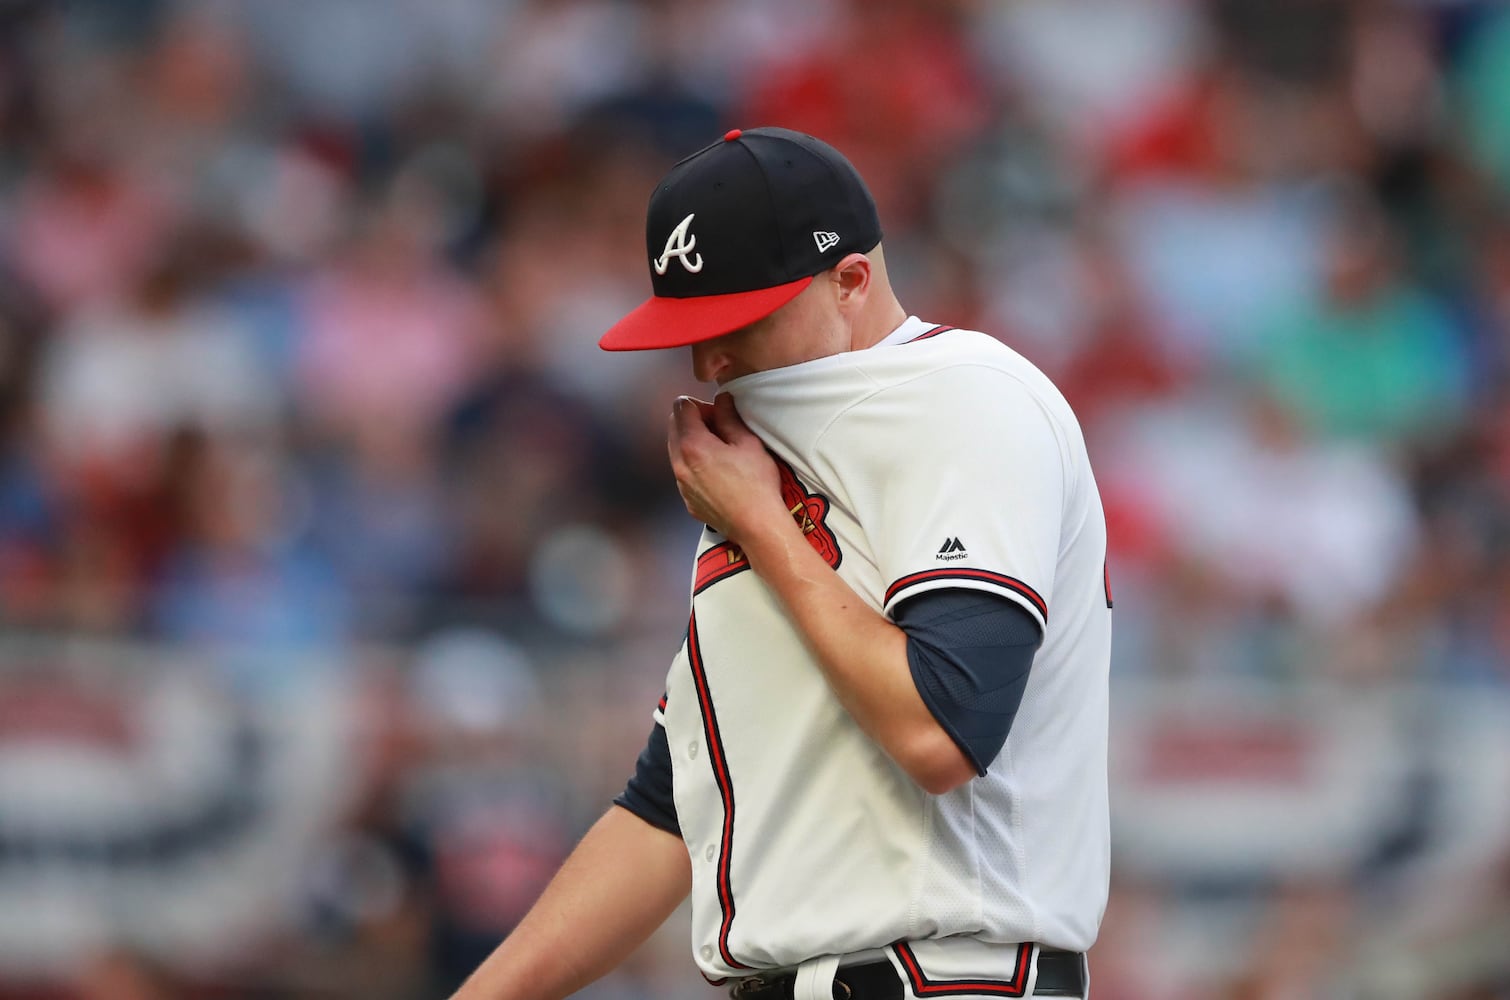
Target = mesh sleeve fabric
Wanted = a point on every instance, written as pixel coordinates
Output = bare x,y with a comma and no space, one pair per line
969,653
648,793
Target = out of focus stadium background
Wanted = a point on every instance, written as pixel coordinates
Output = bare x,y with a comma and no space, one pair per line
339,571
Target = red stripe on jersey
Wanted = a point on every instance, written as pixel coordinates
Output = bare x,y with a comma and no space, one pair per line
961,573
661,705
941,328
809,510
722,560
924,987
720,765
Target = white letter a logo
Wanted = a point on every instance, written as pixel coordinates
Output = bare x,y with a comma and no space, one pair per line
679,245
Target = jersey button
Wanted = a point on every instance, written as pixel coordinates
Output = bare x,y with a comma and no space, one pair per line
692,749
707,953
708,854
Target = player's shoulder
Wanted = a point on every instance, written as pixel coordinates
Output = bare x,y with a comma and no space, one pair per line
951,359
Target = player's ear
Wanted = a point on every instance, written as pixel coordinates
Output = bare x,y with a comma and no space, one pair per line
852,280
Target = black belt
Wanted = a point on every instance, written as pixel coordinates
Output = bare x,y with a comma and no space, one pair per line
1060,974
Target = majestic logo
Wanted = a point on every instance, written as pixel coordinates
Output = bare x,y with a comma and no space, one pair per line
825,241
809,510
952,549
679,244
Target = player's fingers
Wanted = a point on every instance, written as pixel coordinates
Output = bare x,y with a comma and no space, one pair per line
686,430
675,436
684,417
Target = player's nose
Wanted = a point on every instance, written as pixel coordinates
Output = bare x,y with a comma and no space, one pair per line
709,361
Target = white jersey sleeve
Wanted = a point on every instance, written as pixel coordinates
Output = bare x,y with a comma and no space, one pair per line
960,477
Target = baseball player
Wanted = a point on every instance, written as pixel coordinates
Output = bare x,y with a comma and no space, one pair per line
879,766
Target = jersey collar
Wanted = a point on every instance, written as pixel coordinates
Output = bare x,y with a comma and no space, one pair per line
911,327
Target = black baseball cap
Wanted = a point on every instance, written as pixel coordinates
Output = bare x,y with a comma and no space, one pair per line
738,229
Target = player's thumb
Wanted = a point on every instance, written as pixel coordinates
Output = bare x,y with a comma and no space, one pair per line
727,421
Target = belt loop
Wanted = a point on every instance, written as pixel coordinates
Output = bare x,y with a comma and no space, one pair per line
815,978
1033,970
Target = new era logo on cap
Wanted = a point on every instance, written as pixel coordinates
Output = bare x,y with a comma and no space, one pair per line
825,241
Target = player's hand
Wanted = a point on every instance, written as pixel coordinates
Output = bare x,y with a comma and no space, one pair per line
725,475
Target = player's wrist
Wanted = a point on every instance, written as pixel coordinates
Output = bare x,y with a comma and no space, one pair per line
765,534
782,557
760,524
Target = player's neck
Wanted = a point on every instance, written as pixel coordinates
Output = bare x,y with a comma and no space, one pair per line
881,315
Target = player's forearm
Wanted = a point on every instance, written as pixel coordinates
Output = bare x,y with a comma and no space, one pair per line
863,656
620,884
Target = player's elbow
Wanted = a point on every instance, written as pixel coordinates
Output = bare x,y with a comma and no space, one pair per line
937,764
945,777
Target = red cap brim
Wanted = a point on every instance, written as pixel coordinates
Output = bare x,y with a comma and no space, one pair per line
666,322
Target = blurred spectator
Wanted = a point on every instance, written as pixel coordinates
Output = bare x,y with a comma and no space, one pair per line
1298,948
1208,213
1484,81
486,818
1246,495
391,333
1373,357
894,126
242,577
118,379
120,976
553,61
83,231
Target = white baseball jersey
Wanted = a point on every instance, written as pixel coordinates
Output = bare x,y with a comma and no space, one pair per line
938,458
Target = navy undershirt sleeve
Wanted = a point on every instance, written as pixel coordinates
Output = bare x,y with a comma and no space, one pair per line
969,652
648,794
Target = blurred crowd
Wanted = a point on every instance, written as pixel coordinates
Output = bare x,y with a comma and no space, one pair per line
299,302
